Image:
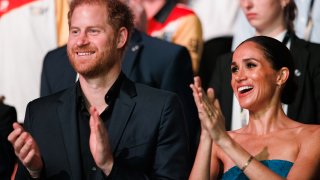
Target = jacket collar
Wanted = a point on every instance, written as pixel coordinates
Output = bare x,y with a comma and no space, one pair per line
132,53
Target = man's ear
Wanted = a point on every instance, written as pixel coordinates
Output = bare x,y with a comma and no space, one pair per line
122,37
283,76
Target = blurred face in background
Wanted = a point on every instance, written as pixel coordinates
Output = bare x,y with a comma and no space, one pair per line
140,16
264,14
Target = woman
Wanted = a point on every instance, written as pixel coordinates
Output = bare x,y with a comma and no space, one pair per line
271,146
274,18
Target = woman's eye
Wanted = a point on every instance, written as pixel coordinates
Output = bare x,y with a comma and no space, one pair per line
251,65
234,69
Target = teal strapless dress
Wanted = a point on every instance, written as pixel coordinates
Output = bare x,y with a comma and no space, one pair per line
281,167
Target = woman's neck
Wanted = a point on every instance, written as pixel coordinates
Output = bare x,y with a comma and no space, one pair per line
272,30
266,121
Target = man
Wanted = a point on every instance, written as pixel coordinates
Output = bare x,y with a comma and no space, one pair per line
135,132
8,116
147,60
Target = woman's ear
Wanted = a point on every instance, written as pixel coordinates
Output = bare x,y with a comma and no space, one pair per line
283,76
122,37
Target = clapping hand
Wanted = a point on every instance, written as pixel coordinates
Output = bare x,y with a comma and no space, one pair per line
26,149
99,143
210,114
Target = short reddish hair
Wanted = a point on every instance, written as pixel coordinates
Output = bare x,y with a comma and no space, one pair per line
119,14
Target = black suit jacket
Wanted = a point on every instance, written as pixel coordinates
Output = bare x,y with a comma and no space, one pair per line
306,106
147,60
8,116
147,134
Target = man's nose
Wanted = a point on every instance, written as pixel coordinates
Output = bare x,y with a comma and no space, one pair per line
82,40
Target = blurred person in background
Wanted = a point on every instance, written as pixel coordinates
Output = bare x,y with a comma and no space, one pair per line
8,116
218,30
175,22
306,23
28,30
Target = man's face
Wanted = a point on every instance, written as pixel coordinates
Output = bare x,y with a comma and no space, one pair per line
92,46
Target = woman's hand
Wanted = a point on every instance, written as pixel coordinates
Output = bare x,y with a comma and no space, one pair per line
211,117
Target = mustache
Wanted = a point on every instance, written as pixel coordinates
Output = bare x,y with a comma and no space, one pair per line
84,49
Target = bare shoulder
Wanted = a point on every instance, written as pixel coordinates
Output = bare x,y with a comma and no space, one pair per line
309,135
309,130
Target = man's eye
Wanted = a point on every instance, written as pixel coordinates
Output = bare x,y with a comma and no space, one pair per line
74,32
94,31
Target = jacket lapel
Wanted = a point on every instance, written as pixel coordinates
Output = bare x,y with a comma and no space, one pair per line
123,109
132,53
67,116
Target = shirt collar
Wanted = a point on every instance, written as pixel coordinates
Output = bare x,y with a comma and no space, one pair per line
280,36
114,91
110,96
284,37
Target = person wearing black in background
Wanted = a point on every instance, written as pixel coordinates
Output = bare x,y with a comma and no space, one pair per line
8,116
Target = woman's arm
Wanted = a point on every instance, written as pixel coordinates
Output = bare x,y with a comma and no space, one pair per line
307,164
212,120
201,166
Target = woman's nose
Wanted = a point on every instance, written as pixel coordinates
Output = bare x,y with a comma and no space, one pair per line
246,4
240,75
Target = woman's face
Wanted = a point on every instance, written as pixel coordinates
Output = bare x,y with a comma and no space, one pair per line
264,14
254,81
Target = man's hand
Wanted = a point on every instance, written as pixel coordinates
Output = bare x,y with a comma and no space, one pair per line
99,143
26,149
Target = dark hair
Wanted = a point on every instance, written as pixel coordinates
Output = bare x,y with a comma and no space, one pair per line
290,14
119,14
279,56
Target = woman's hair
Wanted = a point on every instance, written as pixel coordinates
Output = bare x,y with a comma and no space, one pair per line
279,56
290,14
